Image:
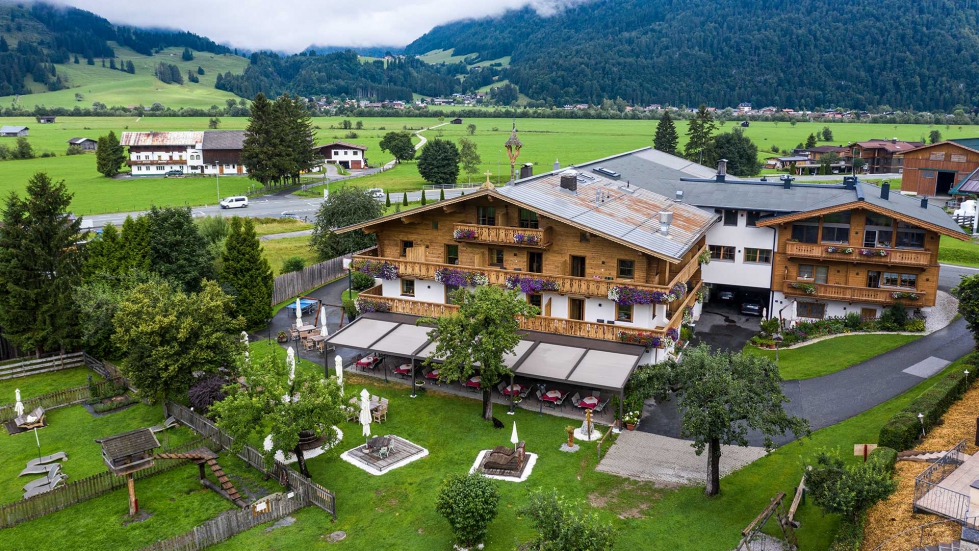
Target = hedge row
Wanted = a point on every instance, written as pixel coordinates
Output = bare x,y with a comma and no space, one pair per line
883,456
904,428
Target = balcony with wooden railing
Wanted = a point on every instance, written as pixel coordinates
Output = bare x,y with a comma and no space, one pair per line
504,235
560,326
851,294
134,162
897,257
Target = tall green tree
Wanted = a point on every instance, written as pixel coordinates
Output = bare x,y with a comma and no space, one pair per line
41,260
480,332
345,207
469,157
740,152
247,273
104,253
135,239
700,134
166,335
399,145
666,138
826,134
262,145
187,55
110,155
438,163
725,395
967,291
295,131
98,299
272,400
934,136
811,141
177,250
847,490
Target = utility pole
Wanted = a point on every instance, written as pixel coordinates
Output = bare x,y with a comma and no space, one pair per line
217,183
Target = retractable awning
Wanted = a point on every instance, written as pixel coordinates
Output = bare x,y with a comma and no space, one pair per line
571,360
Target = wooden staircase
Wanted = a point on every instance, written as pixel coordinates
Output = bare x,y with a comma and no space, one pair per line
204,456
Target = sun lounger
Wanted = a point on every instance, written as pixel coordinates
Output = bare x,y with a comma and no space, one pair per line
40,469
49,484
31,420
60,456
49,478
168,424
510,461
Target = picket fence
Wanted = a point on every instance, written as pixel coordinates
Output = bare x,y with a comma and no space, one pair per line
72,493
58,398
25,367
293,284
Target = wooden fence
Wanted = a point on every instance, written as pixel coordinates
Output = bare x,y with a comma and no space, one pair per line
85,489
230,523
107,370
306,488
23,368
59,398
293,284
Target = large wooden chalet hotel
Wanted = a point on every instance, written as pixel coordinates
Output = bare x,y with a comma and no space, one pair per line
615,253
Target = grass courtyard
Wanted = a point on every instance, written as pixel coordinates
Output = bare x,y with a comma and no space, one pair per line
831,355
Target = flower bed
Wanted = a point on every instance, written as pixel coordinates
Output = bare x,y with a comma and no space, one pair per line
464,233
873,252
523,239
625,295
365,305
840,250
851,323
380,269
460,278
530,284
807,288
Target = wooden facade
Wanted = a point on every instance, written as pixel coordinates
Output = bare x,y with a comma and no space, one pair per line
935,169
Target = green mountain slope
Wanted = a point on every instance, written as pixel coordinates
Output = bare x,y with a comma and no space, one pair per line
792,53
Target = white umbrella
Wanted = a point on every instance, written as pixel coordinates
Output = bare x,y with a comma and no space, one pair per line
365,412
339,362
19,407
291,362
513,437
299,314
323,330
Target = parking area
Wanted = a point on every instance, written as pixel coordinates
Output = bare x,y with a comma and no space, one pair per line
724,327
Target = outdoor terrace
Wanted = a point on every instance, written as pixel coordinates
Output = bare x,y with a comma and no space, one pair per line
850,294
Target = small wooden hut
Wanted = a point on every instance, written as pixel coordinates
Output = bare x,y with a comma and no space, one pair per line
127,453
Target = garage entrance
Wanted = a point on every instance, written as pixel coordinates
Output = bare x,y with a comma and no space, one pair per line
944,183
731,316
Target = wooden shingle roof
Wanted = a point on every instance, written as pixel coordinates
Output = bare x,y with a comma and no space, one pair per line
129,443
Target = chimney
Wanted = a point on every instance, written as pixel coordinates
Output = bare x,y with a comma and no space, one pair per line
527,170
885,191
721,170
786,182
569,180
598,196
849,182
679,196
893,140
665,219
924,202
557,164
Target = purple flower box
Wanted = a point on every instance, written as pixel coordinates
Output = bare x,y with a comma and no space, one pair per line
525,239
530,284
464,233
873,252
460,278
646,339
377,268
367,305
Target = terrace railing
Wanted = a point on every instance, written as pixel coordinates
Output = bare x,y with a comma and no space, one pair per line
931,497
851,294
901,257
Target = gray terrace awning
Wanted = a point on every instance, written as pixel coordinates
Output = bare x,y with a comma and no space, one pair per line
558,358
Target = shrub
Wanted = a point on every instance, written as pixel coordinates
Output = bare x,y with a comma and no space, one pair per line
847,490
852,321
350,308
903,429
102,408
770,326
894,318
562,524
884,457
293,264
915,324
469,503
74,150
361,281
206,391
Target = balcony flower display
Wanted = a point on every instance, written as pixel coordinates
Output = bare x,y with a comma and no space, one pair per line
704,257
840,250
673,334
464,233
906,295
530,284
367,305
626,295
377,268
460,278
873,252
648,340
526,239
678,291
807,288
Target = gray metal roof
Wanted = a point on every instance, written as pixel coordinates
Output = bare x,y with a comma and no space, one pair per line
223,139
8,129
661,173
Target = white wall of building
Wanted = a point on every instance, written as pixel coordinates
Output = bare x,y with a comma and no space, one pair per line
738,272
834,308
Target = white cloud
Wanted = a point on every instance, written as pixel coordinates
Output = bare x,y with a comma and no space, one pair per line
291,25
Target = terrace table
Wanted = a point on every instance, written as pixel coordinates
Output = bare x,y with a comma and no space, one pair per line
368,361
473,382
513,390
403,369
433,374
552,396
589,402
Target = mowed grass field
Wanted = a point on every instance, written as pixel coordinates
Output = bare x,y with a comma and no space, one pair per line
545,140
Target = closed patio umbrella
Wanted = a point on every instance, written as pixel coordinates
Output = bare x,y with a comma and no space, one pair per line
365,412
18,406
323,330
513,437
291,362
299,314
339,362
244,340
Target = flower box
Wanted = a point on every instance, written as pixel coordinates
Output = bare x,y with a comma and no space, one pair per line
807,288
530,284
873,252
379,269
464,233
526,239
460,278
367,305
840,250
905,295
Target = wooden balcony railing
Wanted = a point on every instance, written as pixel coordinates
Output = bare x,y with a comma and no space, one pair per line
901,257
505,235
853,294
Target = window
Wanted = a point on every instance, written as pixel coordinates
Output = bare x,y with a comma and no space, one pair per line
405,245
451,291
627,269
452,254
486,216
810,310
891,279
623,313
805,233
408,287
910,236
909,280
755,215
874,219
535,262
822,273
578,266
837,218
761,256
528,219
730,217
836,234
496,256
806,271
435,224
336,152
927,173
721,252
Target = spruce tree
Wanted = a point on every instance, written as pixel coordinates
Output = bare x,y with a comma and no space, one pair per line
246,273
811,141
387,200
178,251
260,147
295,131
110,155
105,254
666,139
41,257
423,198
135,244
441,195
4,47
700,134
404,199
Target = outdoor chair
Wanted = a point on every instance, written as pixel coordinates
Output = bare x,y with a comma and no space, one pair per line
381,414
597,394
540,397
49,479
501,387
560,402
294,333
576,400
40,469
60,456
308,344
525,391
601,406
47,487
31,420
353,415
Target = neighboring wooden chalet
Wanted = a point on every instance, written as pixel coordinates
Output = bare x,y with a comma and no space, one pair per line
347,155
45,119
87,144
933,170
14,131
880,156
222,152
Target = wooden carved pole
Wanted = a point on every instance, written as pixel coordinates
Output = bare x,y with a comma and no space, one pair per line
133,502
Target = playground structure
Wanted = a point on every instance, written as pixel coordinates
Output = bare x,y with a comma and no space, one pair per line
753,538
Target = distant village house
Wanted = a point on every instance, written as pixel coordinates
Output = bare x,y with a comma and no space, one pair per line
13,131
344,154
87,144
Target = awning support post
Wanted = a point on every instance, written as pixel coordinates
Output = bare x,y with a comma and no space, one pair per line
621,400
413,377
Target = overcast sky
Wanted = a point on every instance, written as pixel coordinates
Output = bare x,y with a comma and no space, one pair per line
292,25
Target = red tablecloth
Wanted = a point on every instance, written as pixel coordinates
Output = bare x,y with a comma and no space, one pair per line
433,374
552,395
513,390
366,361
473,382
403,368
589,402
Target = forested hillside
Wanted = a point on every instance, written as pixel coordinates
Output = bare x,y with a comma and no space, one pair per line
905,54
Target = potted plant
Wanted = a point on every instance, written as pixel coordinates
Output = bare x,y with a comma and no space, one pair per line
570,430
630,419
282,337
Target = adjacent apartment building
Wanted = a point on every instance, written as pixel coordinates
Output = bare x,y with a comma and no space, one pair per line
880,156
211,152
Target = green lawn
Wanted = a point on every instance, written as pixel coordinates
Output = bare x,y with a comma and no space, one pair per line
277,250
43,383
271,226
396,510
831,355
963,253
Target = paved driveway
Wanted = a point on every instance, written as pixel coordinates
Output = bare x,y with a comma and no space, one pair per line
722,327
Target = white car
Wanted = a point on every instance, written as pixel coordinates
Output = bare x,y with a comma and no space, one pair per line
376,193
236,202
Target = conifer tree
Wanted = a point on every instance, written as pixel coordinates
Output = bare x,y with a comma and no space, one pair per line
666,138
135,244
811,141
105,254
441,195
261,145
177,249
423,198
387,200
110,155
404,199
4,47
700,134
247,273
